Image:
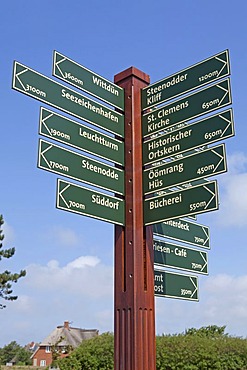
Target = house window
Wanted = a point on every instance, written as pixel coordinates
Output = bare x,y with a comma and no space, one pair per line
64,350
48,349
42,362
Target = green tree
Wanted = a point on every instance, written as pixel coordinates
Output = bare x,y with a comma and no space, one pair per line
23,357
6,277
211,331
14,352
9,351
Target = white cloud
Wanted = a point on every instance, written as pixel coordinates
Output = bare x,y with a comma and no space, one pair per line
24,304
237,163
83,261
84,275
9,235
227,301
233,192
233,200
105,319
53,264
80,291
64,236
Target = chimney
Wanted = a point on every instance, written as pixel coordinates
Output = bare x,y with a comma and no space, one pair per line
66,324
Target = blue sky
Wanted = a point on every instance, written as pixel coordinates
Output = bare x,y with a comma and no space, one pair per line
69,258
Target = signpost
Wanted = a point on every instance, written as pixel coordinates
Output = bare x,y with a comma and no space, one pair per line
192,106
184,231
194,200
166,134
76,166
86,80
202,73
79,136
59,96
180,257
77,199
134,318
206,131
196,166
171,285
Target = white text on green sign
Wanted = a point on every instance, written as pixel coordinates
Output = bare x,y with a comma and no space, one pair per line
87,202
59,96
179,257
184,231
79,167
199,74
196,166
86,80
192,106
79,136
171,285
195,200
200,133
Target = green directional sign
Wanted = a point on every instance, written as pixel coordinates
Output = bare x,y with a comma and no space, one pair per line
180,257
183,186
192,106
199,74
86,80
79,167
79,136
171,285
194,200
77,199
184,231
196,166
206,131
59,96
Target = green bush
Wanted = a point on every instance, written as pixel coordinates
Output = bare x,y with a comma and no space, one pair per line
93,354
69,363
204,349
200,353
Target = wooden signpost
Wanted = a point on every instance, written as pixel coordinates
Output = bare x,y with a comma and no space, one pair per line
134,323
152,176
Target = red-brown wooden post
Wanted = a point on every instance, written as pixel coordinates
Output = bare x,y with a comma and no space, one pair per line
134,316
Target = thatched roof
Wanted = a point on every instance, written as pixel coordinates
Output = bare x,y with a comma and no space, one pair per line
66,335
